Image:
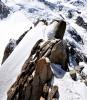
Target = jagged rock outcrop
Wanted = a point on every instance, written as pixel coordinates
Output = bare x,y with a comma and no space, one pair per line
45,91
81,22
55,29
22,36
59,54
59,28
79,69
11,46
85,82
77,3
4,10
73,74
52,93
75,54
38,61
34,81
75,35
44,21
70,14
42,75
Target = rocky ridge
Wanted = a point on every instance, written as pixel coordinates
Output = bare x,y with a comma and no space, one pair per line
74,55
34,81
4,10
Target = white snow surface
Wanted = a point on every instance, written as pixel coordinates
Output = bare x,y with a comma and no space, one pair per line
69,89
12,28
23,13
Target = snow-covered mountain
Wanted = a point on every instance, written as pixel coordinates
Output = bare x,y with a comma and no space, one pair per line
23,15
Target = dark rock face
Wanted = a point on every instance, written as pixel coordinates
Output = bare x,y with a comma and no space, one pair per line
27,89
79,68
34,81
9,48
70,13
4,10
43,69
77,3
85,82
73,75
22,36
42,75
45,91
75,35
75,55
52,93
81,22
59,54
60,7
60,29
57,51
44,21
49,4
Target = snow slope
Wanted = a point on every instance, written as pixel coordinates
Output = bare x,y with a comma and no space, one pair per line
22,14
69,89
12,27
